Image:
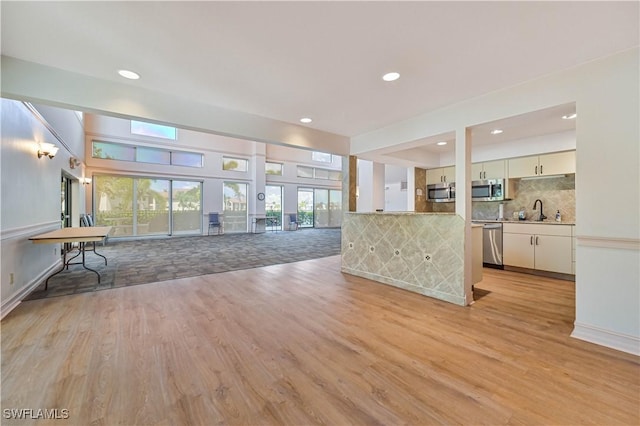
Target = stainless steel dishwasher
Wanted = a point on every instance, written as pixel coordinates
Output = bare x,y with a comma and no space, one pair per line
492,245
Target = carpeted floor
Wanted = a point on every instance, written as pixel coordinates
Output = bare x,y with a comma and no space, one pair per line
151,260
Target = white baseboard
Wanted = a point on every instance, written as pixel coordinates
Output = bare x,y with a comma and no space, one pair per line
12,302
610,339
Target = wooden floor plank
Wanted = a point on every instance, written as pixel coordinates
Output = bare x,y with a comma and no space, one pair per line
302,343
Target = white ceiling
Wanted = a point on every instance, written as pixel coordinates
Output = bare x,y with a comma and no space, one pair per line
286,60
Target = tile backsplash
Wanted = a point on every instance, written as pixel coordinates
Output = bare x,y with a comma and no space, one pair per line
557,193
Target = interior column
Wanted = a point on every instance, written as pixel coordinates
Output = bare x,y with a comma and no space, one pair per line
463,201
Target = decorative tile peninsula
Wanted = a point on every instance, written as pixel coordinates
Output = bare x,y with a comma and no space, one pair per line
419,252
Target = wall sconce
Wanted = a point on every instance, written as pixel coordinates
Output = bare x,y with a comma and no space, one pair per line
74,162
86,181
47,149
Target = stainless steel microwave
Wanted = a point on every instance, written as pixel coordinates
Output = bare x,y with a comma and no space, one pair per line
441,192
488,190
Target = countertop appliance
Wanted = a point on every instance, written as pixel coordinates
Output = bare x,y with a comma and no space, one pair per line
488,190
492,245
444,192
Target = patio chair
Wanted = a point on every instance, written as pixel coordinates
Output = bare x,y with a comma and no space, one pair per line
293,222
214,222
87,220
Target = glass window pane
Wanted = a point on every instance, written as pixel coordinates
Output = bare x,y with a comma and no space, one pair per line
305,208
273,168
335,175
187,159
321,208
321,157
187,207
152,207
152,155
235,164
305,172
273,205
235,207
335,208
113,151
113,204
321,174
154,130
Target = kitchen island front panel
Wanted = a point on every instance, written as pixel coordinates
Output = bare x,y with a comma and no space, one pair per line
419,252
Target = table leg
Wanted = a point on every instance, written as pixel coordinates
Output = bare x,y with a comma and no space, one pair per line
64,265
94,250
82,246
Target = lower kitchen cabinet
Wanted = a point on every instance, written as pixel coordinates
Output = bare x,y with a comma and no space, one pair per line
538,246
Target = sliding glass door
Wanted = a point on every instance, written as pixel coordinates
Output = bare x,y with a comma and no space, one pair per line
335,208
113,204
186,207
151,212
235,207
327,208
305,207
319,208
145,206
273,206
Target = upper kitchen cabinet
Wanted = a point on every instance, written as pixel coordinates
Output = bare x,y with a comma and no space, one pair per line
489,170
441,174
557,163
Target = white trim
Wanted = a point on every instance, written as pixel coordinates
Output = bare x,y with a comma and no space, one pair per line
608,242
610,339
12,302
29,230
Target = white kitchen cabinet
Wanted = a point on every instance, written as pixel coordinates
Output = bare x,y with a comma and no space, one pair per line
441,174
557,163
489,170
538,246
553,253
518,250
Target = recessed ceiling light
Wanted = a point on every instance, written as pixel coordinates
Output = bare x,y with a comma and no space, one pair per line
306,120
496,131
129,74
442,143
391,76
569,116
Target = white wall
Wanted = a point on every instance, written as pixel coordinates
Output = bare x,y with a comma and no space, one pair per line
606,93
395,198
30,196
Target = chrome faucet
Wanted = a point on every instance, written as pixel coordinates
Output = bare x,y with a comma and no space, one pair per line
542,216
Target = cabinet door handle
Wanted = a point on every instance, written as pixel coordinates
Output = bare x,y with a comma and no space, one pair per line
537,240
480,175
540,168
531,240
536,172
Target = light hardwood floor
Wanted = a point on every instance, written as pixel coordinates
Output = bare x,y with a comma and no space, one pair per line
301,343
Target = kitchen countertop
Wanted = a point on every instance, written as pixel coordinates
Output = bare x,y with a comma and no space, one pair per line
544,222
